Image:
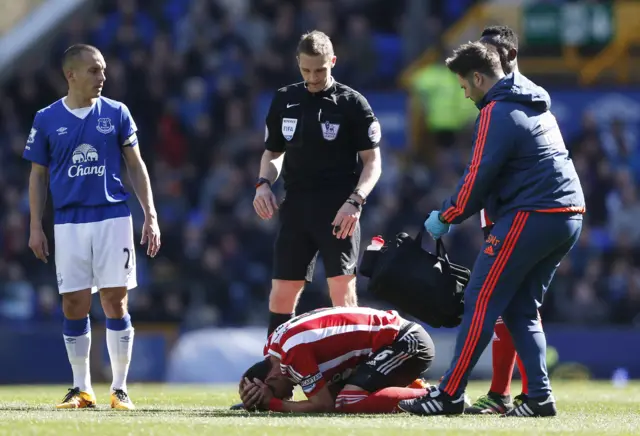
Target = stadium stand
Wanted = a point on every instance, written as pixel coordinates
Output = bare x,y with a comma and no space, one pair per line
192,72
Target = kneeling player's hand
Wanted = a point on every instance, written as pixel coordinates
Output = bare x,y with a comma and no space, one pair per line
344,224
255,395
151,236
265,202
38,244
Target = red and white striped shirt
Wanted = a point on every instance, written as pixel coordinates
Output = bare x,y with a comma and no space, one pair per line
322,347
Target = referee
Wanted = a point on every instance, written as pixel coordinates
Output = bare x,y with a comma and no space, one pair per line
317,132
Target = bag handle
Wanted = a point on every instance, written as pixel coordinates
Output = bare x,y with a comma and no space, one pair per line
440,250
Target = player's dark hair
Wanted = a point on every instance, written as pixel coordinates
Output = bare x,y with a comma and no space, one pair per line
474,57
75,51
315,43
259,370
501,35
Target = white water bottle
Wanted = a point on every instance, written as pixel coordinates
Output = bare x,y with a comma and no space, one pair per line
376,243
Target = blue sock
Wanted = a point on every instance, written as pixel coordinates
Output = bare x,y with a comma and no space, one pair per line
76,327
119,324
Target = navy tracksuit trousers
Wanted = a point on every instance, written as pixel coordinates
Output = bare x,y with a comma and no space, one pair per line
510,277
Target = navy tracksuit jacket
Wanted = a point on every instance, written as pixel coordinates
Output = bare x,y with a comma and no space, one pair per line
521,173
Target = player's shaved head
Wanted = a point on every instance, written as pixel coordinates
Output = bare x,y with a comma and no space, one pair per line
505,40
502,35
74,53
84,68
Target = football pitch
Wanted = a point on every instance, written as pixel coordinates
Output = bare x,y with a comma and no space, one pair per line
585,408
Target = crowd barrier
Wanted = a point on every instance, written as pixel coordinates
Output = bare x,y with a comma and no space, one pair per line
36,354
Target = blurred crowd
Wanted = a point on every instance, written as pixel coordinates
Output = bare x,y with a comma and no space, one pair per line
191,71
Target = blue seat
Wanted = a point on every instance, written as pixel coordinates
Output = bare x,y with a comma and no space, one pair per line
389,49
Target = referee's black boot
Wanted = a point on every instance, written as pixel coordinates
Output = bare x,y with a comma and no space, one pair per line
434,403
534,408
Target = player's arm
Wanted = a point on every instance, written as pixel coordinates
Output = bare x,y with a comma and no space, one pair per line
492,145
302,367
321,402
37,152
367,140
319,397
38,185
140,180
136,167
141,183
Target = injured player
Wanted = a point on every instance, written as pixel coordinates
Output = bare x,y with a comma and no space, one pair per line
345,359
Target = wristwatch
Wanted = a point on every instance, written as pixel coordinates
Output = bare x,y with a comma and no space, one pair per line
360,193
261,181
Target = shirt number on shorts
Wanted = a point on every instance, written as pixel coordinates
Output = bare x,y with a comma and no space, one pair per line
128,253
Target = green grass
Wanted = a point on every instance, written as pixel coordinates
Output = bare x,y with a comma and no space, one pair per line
585,408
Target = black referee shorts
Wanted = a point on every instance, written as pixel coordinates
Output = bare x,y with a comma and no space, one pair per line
398,364
305,230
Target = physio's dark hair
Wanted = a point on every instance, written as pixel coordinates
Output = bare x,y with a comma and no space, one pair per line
259,370
502,35
315,43
74,52
474,57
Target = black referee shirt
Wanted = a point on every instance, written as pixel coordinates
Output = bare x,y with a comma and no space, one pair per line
321,134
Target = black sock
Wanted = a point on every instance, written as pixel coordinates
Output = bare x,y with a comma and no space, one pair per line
277,319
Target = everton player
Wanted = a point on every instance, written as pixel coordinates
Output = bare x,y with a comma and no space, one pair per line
76,146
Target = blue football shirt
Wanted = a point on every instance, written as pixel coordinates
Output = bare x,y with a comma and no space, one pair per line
84,158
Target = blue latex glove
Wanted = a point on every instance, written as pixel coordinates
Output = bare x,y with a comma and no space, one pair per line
434,226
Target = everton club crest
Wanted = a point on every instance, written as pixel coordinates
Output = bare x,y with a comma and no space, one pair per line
105,126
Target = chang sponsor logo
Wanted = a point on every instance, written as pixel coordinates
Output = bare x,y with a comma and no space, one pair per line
84,162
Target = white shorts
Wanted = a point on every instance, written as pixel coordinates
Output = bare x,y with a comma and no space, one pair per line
95,255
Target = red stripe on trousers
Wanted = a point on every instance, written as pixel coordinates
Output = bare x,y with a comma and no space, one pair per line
481,304
483,298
